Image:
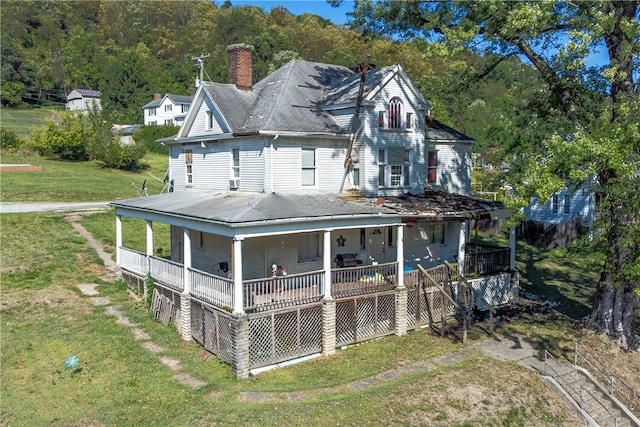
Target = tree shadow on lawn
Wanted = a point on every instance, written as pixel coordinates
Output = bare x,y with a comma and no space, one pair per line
559,279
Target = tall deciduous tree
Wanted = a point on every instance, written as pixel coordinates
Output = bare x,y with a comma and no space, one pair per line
584,125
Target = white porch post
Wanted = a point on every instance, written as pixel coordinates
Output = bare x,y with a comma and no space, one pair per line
462,242
236,267
400,253
149,238
512,247
326,263
118,238
185,296
187,260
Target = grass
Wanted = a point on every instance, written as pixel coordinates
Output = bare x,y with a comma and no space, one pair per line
45,319
23,121
76,181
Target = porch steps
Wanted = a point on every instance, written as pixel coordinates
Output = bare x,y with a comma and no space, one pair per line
590,399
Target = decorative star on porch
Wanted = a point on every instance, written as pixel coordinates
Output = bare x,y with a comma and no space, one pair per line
341,240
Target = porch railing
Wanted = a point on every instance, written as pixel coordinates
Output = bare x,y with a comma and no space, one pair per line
283,290
213,289
168,272
366,279
134,261
484,260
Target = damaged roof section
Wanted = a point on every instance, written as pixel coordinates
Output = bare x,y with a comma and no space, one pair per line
441,205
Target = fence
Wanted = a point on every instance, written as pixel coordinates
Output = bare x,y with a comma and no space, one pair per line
362,280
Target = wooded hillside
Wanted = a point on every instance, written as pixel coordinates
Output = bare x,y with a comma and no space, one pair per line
131,49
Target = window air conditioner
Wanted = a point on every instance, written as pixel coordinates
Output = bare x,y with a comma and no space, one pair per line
234,183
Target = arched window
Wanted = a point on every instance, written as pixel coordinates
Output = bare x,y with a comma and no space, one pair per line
395,113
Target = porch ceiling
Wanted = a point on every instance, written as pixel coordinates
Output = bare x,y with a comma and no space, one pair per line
235,208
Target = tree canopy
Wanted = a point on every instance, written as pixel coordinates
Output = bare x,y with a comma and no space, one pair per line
580,124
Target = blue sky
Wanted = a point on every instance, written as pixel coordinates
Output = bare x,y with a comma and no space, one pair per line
317,7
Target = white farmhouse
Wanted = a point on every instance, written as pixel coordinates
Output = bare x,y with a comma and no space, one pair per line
83,100
169,109
305,210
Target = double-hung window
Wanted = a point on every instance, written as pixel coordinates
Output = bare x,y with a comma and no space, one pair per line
168,107
185,108
554,203
152,111
235,167
188,163
168,122
436,234
308,166
393,167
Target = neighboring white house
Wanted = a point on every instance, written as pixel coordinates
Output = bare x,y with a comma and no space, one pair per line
83,99
169,109
564,206
296,228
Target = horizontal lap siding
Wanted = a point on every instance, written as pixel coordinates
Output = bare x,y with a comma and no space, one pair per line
385,138
418,250
454,167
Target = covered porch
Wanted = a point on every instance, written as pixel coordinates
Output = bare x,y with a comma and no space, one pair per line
236,300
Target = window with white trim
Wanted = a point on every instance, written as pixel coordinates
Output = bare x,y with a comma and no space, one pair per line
309,247
153,123
210,120
188,163
235,166
168,107
185,108
308,166
168,122
393,167
567,204
152,111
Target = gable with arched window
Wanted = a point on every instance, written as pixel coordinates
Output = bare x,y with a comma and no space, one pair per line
393,117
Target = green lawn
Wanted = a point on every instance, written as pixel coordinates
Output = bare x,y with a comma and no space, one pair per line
77,181
23,121
45,319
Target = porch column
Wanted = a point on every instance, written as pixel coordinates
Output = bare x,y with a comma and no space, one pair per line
326,263
400,254
236,271
328,303
512,248
185,296
118,238
149,238
462,243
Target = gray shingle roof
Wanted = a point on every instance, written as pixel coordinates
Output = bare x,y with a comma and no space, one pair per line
290,99
176,99
438,131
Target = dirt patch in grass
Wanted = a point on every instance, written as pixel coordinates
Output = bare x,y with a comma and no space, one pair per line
51,297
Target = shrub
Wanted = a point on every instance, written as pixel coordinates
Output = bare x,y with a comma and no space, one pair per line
67,140
148,135
9,140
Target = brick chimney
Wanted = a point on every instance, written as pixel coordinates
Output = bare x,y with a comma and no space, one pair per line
240,65
157,96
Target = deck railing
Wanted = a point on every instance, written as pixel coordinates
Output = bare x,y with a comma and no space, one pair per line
283,290
365,279
134,261
168,272
213,289
484,260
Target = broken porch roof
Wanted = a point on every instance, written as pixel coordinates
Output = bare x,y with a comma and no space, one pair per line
235,208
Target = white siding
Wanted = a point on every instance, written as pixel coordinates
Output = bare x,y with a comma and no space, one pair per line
199,126
454,167
418,248
376,138
581,204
